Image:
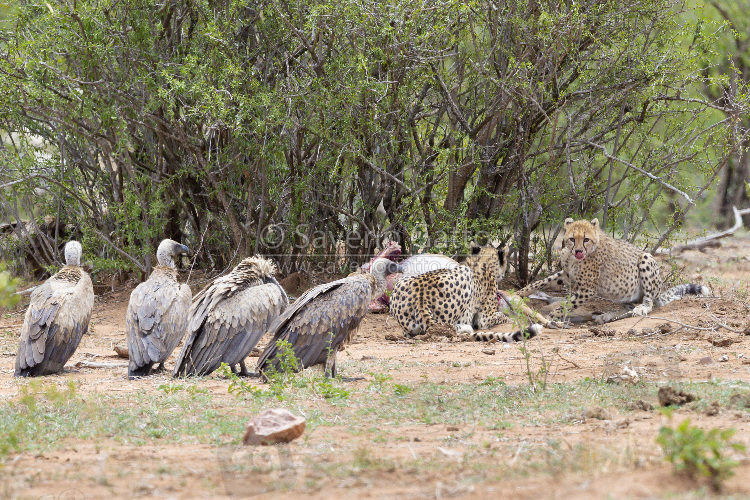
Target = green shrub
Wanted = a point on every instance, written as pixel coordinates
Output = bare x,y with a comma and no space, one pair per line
700,453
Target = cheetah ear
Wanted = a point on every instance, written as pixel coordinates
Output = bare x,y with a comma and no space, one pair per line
502,252
595,223
475,249
568,221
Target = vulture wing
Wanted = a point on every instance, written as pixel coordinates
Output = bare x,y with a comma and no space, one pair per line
225,323
155,321
57,317
319,321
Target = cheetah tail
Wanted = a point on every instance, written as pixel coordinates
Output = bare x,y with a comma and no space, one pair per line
680,291
518,336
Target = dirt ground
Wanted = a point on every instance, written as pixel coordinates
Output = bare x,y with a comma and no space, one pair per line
690,341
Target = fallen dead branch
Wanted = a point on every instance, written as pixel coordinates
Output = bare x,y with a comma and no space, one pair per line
514,302
711,239
93,364
683,325
722,325
557,351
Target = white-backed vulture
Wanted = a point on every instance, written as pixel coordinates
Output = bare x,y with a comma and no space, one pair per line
325,318
229,316
157,313
56,319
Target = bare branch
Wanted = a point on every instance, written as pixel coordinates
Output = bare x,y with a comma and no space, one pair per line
647,174
704,241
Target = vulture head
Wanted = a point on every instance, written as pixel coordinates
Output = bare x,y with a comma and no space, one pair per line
167,250
73,253
379,270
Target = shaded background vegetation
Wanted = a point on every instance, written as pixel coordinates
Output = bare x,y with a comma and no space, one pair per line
314,130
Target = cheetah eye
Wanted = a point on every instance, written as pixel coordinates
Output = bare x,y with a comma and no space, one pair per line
572,240
586,240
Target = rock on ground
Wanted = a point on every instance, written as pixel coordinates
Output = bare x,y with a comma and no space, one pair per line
273,426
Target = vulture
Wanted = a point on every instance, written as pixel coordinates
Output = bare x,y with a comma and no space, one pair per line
157,313
229,316
56,319
325,318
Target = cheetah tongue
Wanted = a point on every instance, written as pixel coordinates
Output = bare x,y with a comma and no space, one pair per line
579,254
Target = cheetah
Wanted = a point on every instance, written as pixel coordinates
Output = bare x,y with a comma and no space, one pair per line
465,296
597,265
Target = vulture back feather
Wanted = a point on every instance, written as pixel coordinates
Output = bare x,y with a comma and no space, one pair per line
157,313
229,316
57,317
325,318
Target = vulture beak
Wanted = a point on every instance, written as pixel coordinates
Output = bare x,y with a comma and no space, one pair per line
184,249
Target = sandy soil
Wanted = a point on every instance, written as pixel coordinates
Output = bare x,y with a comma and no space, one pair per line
661,349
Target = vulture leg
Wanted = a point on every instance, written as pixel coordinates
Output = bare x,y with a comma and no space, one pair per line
330,366
329,369
159,368
243,369
143,371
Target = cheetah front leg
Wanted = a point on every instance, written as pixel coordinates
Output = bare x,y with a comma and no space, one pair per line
575,300
484,321
649,278
559,279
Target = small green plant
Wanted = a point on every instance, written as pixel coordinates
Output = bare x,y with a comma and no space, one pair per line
328,390
285,376
401,389
36,390
490,380
379,381
564,306
8,286
237,386
194,390
537,377
700,453
171,388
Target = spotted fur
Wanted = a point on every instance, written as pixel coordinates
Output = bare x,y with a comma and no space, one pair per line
465,296
596,265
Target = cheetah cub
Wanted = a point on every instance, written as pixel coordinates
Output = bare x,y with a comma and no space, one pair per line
465,296
596,265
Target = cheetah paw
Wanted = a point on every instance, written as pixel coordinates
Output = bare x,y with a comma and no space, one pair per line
641,310
556,324
602,318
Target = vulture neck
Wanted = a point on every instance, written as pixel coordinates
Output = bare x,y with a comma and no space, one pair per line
69,273
164,258
166,261
169,271
378,272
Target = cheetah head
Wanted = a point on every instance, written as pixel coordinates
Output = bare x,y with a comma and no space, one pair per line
492,261
581,237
